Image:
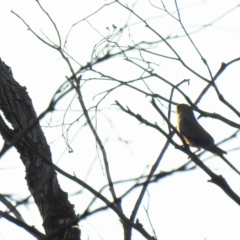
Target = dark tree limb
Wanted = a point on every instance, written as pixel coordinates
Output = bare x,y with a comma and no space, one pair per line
35,154
30,229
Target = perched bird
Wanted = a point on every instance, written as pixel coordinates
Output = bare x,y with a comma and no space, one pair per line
193,132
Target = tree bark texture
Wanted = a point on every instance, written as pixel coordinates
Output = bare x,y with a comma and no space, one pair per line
28,138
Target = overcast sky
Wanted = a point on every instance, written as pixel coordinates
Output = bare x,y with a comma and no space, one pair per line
181,206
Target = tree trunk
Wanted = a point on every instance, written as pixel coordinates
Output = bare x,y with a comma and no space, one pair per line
26,135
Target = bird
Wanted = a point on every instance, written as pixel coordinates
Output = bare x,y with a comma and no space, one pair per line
193,133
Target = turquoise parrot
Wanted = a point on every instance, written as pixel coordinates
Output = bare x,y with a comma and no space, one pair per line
193,132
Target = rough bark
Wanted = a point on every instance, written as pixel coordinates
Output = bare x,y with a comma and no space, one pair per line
28,138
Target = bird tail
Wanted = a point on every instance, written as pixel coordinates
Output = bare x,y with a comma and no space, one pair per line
216,150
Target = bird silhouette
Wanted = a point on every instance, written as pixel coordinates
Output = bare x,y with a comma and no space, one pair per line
193,133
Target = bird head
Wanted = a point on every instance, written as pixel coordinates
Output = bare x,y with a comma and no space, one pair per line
184,109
